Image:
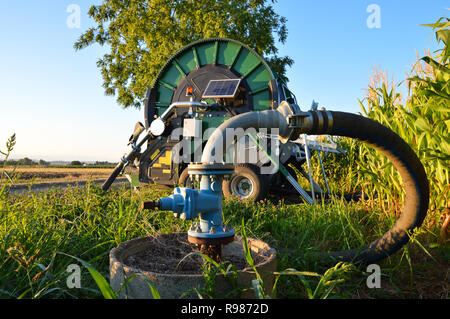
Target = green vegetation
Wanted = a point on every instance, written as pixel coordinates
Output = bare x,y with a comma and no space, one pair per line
40,230
142,35
422,121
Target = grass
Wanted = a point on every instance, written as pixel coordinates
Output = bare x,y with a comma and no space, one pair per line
36,228
39,230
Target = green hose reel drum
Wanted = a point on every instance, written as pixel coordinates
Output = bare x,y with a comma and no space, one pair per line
215,59
195,66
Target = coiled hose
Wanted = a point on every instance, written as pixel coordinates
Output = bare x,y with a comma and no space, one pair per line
291,123
411,171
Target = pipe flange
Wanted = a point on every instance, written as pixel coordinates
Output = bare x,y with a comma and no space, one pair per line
210,169
211,241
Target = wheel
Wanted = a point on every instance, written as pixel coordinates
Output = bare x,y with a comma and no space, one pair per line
246,183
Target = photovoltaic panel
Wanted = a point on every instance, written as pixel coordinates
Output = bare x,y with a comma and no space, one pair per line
221,88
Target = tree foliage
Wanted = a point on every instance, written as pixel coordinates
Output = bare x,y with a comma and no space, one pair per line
143,34
43,162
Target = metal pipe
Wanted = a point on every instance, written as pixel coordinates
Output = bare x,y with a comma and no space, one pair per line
218,144
323,172
308,157
173,106
285,172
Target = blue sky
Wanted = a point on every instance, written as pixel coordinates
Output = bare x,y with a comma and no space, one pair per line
52,96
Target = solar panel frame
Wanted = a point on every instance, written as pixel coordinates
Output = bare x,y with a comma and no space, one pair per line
218,89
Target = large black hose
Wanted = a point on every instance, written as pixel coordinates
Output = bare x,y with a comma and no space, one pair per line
353,126
134,153
411,171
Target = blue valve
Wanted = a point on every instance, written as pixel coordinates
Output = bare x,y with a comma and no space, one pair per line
188,204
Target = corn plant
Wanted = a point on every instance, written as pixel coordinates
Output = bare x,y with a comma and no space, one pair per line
422,121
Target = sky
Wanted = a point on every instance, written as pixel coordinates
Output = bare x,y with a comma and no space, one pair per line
52,97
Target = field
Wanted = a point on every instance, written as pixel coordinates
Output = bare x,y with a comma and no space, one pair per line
41,174
43,178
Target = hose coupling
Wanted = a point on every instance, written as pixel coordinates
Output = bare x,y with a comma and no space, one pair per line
312,122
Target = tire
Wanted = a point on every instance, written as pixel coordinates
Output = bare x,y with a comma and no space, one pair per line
246,183
413,177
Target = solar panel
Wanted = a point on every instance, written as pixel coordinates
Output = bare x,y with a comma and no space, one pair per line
221,88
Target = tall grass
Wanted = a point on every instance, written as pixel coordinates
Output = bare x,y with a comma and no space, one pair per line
37,229
10,143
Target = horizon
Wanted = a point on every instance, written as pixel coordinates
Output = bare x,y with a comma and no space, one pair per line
60,161
52,97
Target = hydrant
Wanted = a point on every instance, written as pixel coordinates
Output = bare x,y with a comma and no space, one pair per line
206,203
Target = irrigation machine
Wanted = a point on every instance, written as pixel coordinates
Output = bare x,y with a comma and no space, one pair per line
220,123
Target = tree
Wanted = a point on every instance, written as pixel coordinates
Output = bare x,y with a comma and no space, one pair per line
27,161
76,163
143,34
43,163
